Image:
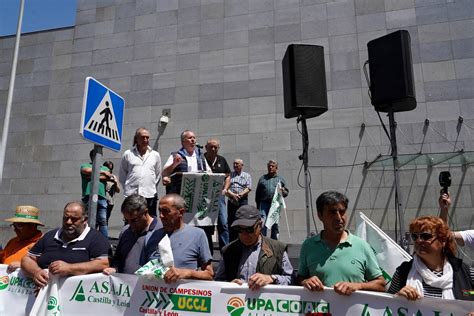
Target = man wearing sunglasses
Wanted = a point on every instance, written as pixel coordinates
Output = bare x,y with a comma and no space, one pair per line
140,225
25,224
262,261
335,257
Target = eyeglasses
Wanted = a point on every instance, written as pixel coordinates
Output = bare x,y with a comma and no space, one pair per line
423,236
135,219
249,230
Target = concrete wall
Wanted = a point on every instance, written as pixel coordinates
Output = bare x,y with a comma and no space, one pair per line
217,65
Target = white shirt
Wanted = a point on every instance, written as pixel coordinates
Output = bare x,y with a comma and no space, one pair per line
191,160
83,235
468,237
140,174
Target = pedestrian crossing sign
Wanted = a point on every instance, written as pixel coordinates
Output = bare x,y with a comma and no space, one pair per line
102,115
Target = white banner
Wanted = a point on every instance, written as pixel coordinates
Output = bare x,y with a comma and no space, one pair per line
389,254
49,296
201,192
16,293
278,205
122,294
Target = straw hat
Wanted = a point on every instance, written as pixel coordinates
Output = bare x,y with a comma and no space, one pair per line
25,214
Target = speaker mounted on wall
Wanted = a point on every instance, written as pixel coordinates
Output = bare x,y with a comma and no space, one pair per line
391,73
304,81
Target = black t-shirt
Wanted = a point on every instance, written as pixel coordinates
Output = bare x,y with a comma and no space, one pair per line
48,249
219,165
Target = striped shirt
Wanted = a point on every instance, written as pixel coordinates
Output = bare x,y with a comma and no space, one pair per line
238,182
428,290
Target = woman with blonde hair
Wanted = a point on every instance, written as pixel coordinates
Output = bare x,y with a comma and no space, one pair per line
434,270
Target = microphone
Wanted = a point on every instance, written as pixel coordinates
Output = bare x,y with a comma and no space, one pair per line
199,146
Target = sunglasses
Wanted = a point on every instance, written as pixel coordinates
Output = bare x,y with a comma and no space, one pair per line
249,230
422,236
17,225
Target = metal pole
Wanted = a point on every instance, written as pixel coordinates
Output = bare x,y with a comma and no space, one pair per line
94,189
398,195
304,157
6,122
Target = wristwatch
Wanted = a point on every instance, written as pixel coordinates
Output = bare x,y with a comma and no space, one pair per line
274,279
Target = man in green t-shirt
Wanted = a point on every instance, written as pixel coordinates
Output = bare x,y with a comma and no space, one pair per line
86,172
335,257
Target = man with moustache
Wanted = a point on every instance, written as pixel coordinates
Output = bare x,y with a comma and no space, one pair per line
335,257
73,249
192,258
140,170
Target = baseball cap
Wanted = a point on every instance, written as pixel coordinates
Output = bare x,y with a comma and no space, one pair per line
246,215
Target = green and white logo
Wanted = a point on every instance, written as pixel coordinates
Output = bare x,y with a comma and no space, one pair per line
4,280
235,306
156,300
52,303
78,293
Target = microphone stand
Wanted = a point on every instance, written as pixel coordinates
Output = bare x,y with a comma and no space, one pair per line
304,157
199,159
400,213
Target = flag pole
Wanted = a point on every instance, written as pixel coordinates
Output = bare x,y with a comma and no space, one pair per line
286,218
6,122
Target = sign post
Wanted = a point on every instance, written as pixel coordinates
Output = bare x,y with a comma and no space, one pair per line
101,124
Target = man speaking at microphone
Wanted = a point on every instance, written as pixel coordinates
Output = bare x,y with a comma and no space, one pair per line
187,159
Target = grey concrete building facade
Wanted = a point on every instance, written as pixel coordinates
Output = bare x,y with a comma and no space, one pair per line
217,65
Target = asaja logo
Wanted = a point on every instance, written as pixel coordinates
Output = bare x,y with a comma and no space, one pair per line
78,293
52,303
235,306
4,280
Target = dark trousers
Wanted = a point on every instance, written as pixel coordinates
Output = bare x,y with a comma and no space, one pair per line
222,227
152,203
109,211
209,230
264,210
231,210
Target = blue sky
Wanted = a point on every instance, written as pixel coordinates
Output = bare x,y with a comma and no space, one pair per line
39,15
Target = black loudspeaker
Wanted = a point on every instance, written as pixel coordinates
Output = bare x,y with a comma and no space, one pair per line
391,73
304,81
